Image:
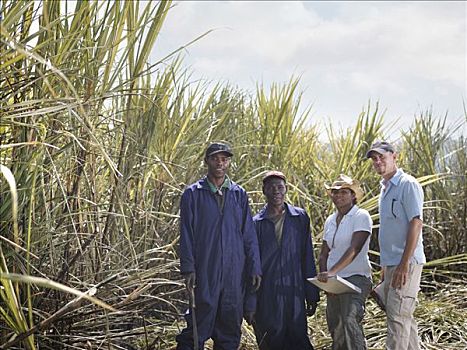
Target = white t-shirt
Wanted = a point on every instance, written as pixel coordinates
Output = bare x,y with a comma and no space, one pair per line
339,239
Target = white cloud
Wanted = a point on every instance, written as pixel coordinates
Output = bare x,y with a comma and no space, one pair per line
410,55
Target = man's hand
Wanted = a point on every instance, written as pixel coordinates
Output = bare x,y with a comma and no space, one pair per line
400,275
311,308
249,317
190,280
323,276
255,282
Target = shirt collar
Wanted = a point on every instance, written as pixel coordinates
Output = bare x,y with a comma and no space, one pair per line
226,184
394,180
351,212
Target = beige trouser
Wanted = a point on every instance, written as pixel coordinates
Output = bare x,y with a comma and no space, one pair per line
400,306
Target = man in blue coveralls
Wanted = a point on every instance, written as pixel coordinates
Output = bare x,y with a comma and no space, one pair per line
219,256
287,261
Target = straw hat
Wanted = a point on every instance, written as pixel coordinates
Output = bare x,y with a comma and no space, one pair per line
345,181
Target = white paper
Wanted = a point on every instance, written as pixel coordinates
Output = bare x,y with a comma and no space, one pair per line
335,285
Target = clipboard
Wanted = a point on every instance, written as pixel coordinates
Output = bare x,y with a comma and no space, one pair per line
335,285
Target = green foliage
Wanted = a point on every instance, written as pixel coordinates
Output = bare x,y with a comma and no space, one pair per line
101,143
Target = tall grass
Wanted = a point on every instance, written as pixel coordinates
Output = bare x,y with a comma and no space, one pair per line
100,144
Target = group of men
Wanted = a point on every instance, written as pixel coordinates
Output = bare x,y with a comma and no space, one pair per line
237,267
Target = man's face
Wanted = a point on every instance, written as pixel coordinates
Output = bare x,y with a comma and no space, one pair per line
384,164
217,165
275,189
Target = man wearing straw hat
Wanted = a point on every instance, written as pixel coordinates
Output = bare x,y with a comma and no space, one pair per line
219,256
285,297
344,253
401,246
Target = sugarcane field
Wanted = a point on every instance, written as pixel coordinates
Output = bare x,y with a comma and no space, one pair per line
181,175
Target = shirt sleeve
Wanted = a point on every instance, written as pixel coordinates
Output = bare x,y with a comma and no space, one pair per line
253,264
363,221
412,200
308,263
250,301
250,240
326,230
187,263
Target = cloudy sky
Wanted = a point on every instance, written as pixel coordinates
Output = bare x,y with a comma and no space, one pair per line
409,56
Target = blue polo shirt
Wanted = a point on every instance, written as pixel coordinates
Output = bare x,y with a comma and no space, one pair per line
399,203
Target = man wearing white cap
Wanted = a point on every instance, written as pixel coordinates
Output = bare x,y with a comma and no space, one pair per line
401,246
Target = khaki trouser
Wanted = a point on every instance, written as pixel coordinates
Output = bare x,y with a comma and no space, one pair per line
400,305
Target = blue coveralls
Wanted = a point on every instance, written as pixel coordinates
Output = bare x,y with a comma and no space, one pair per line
280,315
222,248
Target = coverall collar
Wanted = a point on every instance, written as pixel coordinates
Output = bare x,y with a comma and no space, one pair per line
289,208
204,183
